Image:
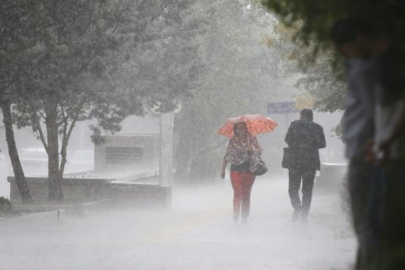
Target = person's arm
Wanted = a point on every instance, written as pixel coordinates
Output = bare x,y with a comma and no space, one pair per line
289,136
398,125
320,138
224,163
227,158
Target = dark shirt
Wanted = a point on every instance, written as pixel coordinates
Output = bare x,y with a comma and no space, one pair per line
390,90
304,138
358,119
390,73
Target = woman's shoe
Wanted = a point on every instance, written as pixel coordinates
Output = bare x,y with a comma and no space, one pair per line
236,218
304,219
296,215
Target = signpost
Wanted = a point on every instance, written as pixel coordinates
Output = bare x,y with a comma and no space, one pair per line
166,143
166,148
281,108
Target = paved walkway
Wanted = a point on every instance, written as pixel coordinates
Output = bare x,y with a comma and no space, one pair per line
198,233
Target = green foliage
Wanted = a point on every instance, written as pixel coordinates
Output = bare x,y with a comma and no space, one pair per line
5,206
318,16
86,54
310,47
69,61
322,83
166,66
321,76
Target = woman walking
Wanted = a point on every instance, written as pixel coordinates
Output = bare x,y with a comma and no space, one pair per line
243,150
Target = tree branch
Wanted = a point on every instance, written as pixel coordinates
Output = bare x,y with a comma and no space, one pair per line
36,126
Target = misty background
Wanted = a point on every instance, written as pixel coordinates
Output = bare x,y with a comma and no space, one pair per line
217,55
206,60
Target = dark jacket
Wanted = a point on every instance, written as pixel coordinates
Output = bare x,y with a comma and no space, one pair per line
304,138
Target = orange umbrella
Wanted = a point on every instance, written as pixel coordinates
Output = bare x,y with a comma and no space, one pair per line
256,124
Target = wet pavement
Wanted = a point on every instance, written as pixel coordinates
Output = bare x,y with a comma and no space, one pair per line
197,233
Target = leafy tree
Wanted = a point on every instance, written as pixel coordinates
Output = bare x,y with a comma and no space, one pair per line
317,17
239,77
319,81
311,21
15,33
166,65
78,68
5,206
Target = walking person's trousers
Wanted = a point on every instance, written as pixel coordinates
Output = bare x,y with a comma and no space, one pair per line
242,183
295,176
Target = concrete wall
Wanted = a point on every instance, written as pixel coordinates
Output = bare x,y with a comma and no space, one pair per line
148,143
75,190
83,190
331,176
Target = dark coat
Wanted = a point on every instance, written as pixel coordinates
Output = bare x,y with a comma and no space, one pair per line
304,138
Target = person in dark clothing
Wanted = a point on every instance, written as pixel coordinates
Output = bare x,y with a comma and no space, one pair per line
352,38
387,211
374,124
304,137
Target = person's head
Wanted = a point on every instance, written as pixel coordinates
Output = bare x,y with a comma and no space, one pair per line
306,114
240,130
353,37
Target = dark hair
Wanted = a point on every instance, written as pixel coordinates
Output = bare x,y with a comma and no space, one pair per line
347,29
307,113
234,127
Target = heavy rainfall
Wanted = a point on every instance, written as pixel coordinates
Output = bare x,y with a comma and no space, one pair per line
215,134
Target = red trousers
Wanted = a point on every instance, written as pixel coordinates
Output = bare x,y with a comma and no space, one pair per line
242,183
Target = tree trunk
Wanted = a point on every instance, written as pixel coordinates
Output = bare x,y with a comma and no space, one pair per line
63,159
65,142
12,150
54,178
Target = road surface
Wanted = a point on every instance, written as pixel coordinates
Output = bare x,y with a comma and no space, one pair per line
197,233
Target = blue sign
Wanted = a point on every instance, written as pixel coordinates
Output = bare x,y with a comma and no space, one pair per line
281,107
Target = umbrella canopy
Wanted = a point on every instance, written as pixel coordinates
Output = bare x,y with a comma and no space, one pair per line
256,124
